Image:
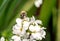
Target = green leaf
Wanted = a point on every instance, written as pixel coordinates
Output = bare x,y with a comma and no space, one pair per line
46,10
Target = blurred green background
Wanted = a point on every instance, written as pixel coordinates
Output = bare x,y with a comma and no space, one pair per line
48,13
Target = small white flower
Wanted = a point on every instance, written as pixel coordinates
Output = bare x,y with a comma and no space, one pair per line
26,25
2,39
31,38
19,21
35,28
16,38
38,21
21,26
32,19
36,36
35,21
18,30
42,32
34,40
38,3
25,40
39,35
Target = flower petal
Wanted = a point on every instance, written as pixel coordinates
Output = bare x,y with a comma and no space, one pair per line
25,40
32,19
38,21
16,38
19,21
25,25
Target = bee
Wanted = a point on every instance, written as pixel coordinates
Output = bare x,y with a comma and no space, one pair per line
23,14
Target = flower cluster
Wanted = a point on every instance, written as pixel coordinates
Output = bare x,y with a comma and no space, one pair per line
28,29
38,3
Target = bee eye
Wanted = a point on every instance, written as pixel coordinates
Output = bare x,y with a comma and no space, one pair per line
23,14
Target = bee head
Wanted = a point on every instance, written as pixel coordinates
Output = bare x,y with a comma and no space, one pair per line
23,14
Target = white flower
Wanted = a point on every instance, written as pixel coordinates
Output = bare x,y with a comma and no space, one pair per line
2,39
18,30
35,21
16,38
38,3
28,40
28,30
26,25
22,33
25,40
42,32
32,19
38,21
19,21
39,35
34,40
35,28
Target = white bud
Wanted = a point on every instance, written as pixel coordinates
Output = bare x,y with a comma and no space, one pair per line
2,39
38,3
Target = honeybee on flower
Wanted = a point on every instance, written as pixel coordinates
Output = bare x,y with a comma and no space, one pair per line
28,29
